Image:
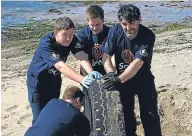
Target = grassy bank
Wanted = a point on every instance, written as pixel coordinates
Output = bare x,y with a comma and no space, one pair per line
170,27
22,40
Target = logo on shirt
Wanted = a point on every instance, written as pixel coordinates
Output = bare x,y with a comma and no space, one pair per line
127,56
106,44
78,46
53,71
143,53
97,52
54,56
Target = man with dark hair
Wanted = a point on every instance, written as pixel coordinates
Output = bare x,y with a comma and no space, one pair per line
62,117
132,44
48,62
89,50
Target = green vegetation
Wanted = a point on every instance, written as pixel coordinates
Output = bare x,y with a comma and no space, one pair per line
23,40
85,2
88,2
32,30
171,27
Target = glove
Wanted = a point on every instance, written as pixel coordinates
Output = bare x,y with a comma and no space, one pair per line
87,81
111,83
109,75
96,75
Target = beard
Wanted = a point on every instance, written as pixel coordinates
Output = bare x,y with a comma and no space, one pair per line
132,33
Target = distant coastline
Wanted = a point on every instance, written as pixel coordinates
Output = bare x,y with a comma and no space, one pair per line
21,12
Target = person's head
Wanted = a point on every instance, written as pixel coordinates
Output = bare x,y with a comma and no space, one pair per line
74,95
130,18
95,18
63,29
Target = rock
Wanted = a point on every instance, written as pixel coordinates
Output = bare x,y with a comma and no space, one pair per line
55,11
162,4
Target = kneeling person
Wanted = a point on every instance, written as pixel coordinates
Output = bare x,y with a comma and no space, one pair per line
62,117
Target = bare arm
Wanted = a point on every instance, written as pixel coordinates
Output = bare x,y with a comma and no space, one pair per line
84,62
113,62
107,63
86,66
131,70
68,71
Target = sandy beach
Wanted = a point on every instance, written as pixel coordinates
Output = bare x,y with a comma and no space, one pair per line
171,66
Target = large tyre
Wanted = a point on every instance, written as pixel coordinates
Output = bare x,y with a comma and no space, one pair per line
107,113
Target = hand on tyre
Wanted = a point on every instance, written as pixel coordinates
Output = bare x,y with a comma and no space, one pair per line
109,75
111,83
87,81
96,75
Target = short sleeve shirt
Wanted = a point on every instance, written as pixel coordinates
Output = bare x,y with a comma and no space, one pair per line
126,50
46,55
91,44
59,118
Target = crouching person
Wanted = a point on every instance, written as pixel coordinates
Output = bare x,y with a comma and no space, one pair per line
62,117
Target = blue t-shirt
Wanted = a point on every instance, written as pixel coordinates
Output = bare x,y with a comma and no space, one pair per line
60,118
46,55
126,50
91,43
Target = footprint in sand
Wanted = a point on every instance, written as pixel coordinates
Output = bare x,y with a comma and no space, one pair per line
8,134
5,126
13,113
4,116
164,88
22,118
11,108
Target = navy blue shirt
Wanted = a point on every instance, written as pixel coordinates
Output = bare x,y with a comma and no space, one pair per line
46,55
126,50
91,43
60,118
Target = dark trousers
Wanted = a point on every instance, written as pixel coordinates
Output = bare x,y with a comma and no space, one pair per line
147,95
47,88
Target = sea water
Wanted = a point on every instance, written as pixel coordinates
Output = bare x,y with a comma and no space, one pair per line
20,12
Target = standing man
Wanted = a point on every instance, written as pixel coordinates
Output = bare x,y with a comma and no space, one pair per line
90,39
132,44
62,117
89,51
48,62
